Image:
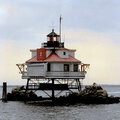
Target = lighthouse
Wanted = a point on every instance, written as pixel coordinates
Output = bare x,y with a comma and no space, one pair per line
53,67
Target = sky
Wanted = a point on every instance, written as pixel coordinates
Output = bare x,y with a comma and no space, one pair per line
92,27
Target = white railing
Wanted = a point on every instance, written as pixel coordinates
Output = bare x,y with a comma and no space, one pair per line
58,75
65,74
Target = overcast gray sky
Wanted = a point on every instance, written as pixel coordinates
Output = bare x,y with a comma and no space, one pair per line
90,26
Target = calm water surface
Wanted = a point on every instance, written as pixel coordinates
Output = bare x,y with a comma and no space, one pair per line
21,111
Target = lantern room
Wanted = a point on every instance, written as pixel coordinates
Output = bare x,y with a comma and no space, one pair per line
53,36
53,40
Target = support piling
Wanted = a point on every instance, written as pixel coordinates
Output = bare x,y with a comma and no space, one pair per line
53,96
4,94
26,90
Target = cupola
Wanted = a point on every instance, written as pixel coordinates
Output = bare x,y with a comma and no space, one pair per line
53,36
53,40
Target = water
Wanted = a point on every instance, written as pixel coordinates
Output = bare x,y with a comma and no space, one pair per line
21,111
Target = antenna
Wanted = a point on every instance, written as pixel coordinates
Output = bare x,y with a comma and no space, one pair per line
60,28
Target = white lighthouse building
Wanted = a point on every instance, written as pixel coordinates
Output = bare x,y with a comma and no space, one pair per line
53,67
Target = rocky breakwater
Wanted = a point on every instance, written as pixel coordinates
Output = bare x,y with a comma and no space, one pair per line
19,94
93,94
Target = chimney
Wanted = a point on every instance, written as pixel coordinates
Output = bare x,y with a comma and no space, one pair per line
38,54
41,54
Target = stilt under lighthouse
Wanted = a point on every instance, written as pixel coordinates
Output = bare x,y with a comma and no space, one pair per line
53,68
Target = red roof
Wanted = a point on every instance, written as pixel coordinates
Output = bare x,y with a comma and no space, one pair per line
67,49
33,50
54,58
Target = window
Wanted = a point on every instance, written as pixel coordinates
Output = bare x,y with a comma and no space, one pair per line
40,53
66,67
64,53
48,67
75,68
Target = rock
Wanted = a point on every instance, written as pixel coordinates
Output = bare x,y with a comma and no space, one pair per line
94,90
20,95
